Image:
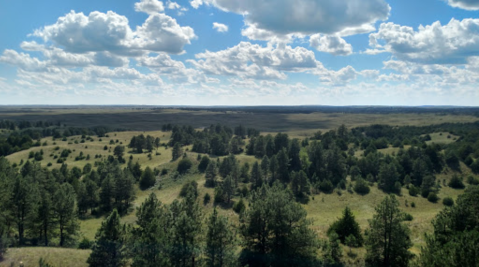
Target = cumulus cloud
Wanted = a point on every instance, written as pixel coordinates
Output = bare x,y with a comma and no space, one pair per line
110,32
149,6
219,27
162,33
254,61
22,60
453,43
332,44
305,16
465,4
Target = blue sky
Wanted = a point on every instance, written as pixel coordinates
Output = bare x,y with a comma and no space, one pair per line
248,52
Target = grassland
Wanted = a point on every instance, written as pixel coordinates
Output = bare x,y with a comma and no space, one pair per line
323,209
296,124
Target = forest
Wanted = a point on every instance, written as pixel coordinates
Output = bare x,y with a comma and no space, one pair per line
259,188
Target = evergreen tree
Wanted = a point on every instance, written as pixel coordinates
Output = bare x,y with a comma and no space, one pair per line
210,174
124,192
256,176
283,165
147,179
176,152
455,240
228,188
387,241
347,226
220,242
22,204
205,160
295,161
265,166
276,231
92,193
109,247
149,237
82,199
388,176
45,217
107,193
64,210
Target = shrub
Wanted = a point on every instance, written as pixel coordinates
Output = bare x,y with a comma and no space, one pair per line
408,217
413,205
472,181
326,186
448,201
191,185
456,182
361,187
413,191
206,199
184,165
239,207
432,197
85,243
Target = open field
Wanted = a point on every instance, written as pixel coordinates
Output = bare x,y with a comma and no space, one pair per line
296,124
58,257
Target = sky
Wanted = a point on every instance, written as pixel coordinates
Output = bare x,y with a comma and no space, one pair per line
239,52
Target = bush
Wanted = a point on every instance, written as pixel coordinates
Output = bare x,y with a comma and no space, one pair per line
326,186
184,165
472,181
408,217
413,191
206,199
448,201
432,197
85,244
413,205
456,182
361,187
239,207
191,186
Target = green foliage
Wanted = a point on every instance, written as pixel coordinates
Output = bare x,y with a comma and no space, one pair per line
176,152
432,197
448,201
456,182
361,187
326,186
85,243
239,207
109,247
148,179
347,226
43,263
206,199
205,160
184,166
387,241
275,230
408,217
220,241
388,177
332,251
455,241
190,187
413,191
64,210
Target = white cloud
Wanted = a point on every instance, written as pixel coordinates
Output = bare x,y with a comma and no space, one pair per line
162,33
464,4
219,27
172,5
453,43
196,3
254,61
305,16
22,60
149,6
332,44
111,32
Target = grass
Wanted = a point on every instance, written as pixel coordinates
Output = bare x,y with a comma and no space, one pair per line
58,257
297,125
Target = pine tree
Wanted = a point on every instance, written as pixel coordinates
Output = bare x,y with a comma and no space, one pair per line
22,203
228,188
276,231
220,242
388,241
176,151
124,192
256,176
147,179
210,174
107,193
149,237
64,210
82,199
92,193
347,226
45,217
388,176
109,247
